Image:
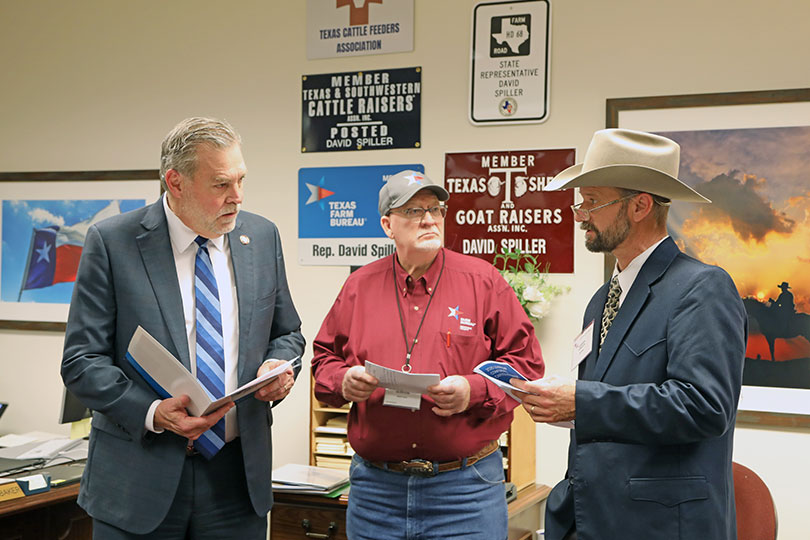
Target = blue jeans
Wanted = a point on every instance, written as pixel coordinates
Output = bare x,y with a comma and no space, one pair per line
468,503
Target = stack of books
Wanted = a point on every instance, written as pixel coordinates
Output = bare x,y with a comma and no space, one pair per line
310,480
335,446
337,463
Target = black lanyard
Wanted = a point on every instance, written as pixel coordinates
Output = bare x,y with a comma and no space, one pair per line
407,367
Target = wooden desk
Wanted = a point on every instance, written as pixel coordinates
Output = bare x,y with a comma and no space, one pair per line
53,514
526,511
326,517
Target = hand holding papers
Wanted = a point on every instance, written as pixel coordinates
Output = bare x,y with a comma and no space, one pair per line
416,383
501,374
402,389
169,378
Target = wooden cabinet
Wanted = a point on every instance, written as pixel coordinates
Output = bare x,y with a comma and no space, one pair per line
307,516
53,514
328,446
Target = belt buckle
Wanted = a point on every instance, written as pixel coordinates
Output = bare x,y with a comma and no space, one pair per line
418,467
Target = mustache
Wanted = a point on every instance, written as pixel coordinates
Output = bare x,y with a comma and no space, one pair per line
230,209
585,226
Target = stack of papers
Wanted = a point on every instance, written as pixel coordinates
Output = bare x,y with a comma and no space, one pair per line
35,449
311,480
336,425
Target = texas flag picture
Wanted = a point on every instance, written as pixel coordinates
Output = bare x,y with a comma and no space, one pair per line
42,245
56,250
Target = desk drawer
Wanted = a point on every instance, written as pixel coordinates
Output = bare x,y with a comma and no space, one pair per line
287,522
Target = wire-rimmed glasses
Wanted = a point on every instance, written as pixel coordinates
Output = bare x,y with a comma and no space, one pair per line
584,214
418,213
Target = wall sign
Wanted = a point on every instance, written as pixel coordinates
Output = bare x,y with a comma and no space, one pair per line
496,202
338,28
361,110
510,62
338,220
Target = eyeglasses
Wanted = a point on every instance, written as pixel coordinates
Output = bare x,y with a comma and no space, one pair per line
418,214
584,214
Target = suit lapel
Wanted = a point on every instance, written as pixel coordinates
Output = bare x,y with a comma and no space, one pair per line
654,267
594,314
156,253
244,276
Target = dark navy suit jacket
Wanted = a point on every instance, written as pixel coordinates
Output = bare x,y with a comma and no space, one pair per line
650,456
127,278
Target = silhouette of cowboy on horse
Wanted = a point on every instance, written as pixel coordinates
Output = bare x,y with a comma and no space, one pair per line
783,307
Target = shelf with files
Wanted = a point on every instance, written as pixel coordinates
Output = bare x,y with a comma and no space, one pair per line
328,444
329,447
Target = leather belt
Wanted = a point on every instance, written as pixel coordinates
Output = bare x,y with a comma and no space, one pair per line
423,467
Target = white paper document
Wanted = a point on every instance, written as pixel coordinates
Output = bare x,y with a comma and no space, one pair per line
12,439
50,449
412,383
169,378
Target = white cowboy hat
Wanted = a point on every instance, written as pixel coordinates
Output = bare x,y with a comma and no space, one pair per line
629,159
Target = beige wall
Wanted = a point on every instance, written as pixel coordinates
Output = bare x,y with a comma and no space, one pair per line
96,84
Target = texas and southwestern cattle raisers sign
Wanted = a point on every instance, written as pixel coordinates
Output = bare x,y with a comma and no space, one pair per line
361,110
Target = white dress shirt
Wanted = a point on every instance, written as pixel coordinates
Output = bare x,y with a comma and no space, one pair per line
629,274
185,252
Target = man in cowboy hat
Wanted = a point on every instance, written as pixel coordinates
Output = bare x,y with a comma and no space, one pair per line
784,302
660,362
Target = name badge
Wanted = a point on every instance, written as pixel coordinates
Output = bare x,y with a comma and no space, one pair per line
404,400
583,345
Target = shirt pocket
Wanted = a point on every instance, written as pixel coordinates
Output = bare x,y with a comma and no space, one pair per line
459,353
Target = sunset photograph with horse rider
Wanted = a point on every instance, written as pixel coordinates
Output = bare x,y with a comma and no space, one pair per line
758,229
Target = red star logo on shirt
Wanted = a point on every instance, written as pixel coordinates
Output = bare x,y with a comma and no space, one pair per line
357,15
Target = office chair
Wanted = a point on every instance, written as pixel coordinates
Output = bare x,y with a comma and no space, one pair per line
756,512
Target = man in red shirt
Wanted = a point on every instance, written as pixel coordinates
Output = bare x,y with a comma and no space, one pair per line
426,465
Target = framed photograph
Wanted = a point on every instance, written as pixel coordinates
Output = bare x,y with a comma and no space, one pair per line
748,153
44,218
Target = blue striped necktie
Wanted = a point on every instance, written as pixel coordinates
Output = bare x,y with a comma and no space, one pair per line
210,350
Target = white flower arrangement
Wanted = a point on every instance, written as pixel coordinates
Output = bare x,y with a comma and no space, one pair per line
531,285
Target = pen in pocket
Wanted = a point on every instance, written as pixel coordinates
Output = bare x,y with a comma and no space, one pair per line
448,338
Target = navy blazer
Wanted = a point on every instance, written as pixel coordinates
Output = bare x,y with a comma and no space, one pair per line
126,278
650,456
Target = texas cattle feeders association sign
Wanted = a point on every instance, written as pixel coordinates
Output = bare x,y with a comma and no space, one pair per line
497,203
338,216
361,110
337,28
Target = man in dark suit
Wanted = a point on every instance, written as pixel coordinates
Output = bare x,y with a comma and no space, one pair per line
148,473
660,363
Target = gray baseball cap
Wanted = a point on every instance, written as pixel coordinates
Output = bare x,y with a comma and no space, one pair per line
402,186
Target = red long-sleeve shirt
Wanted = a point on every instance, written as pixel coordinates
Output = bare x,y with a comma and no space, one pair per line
484,320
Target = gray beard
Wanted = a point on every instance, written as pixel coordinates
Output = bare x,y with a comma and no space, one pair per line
609,239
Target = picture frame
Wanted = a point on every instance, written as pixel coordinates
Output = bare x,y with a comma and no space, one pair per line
43,219
714,130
